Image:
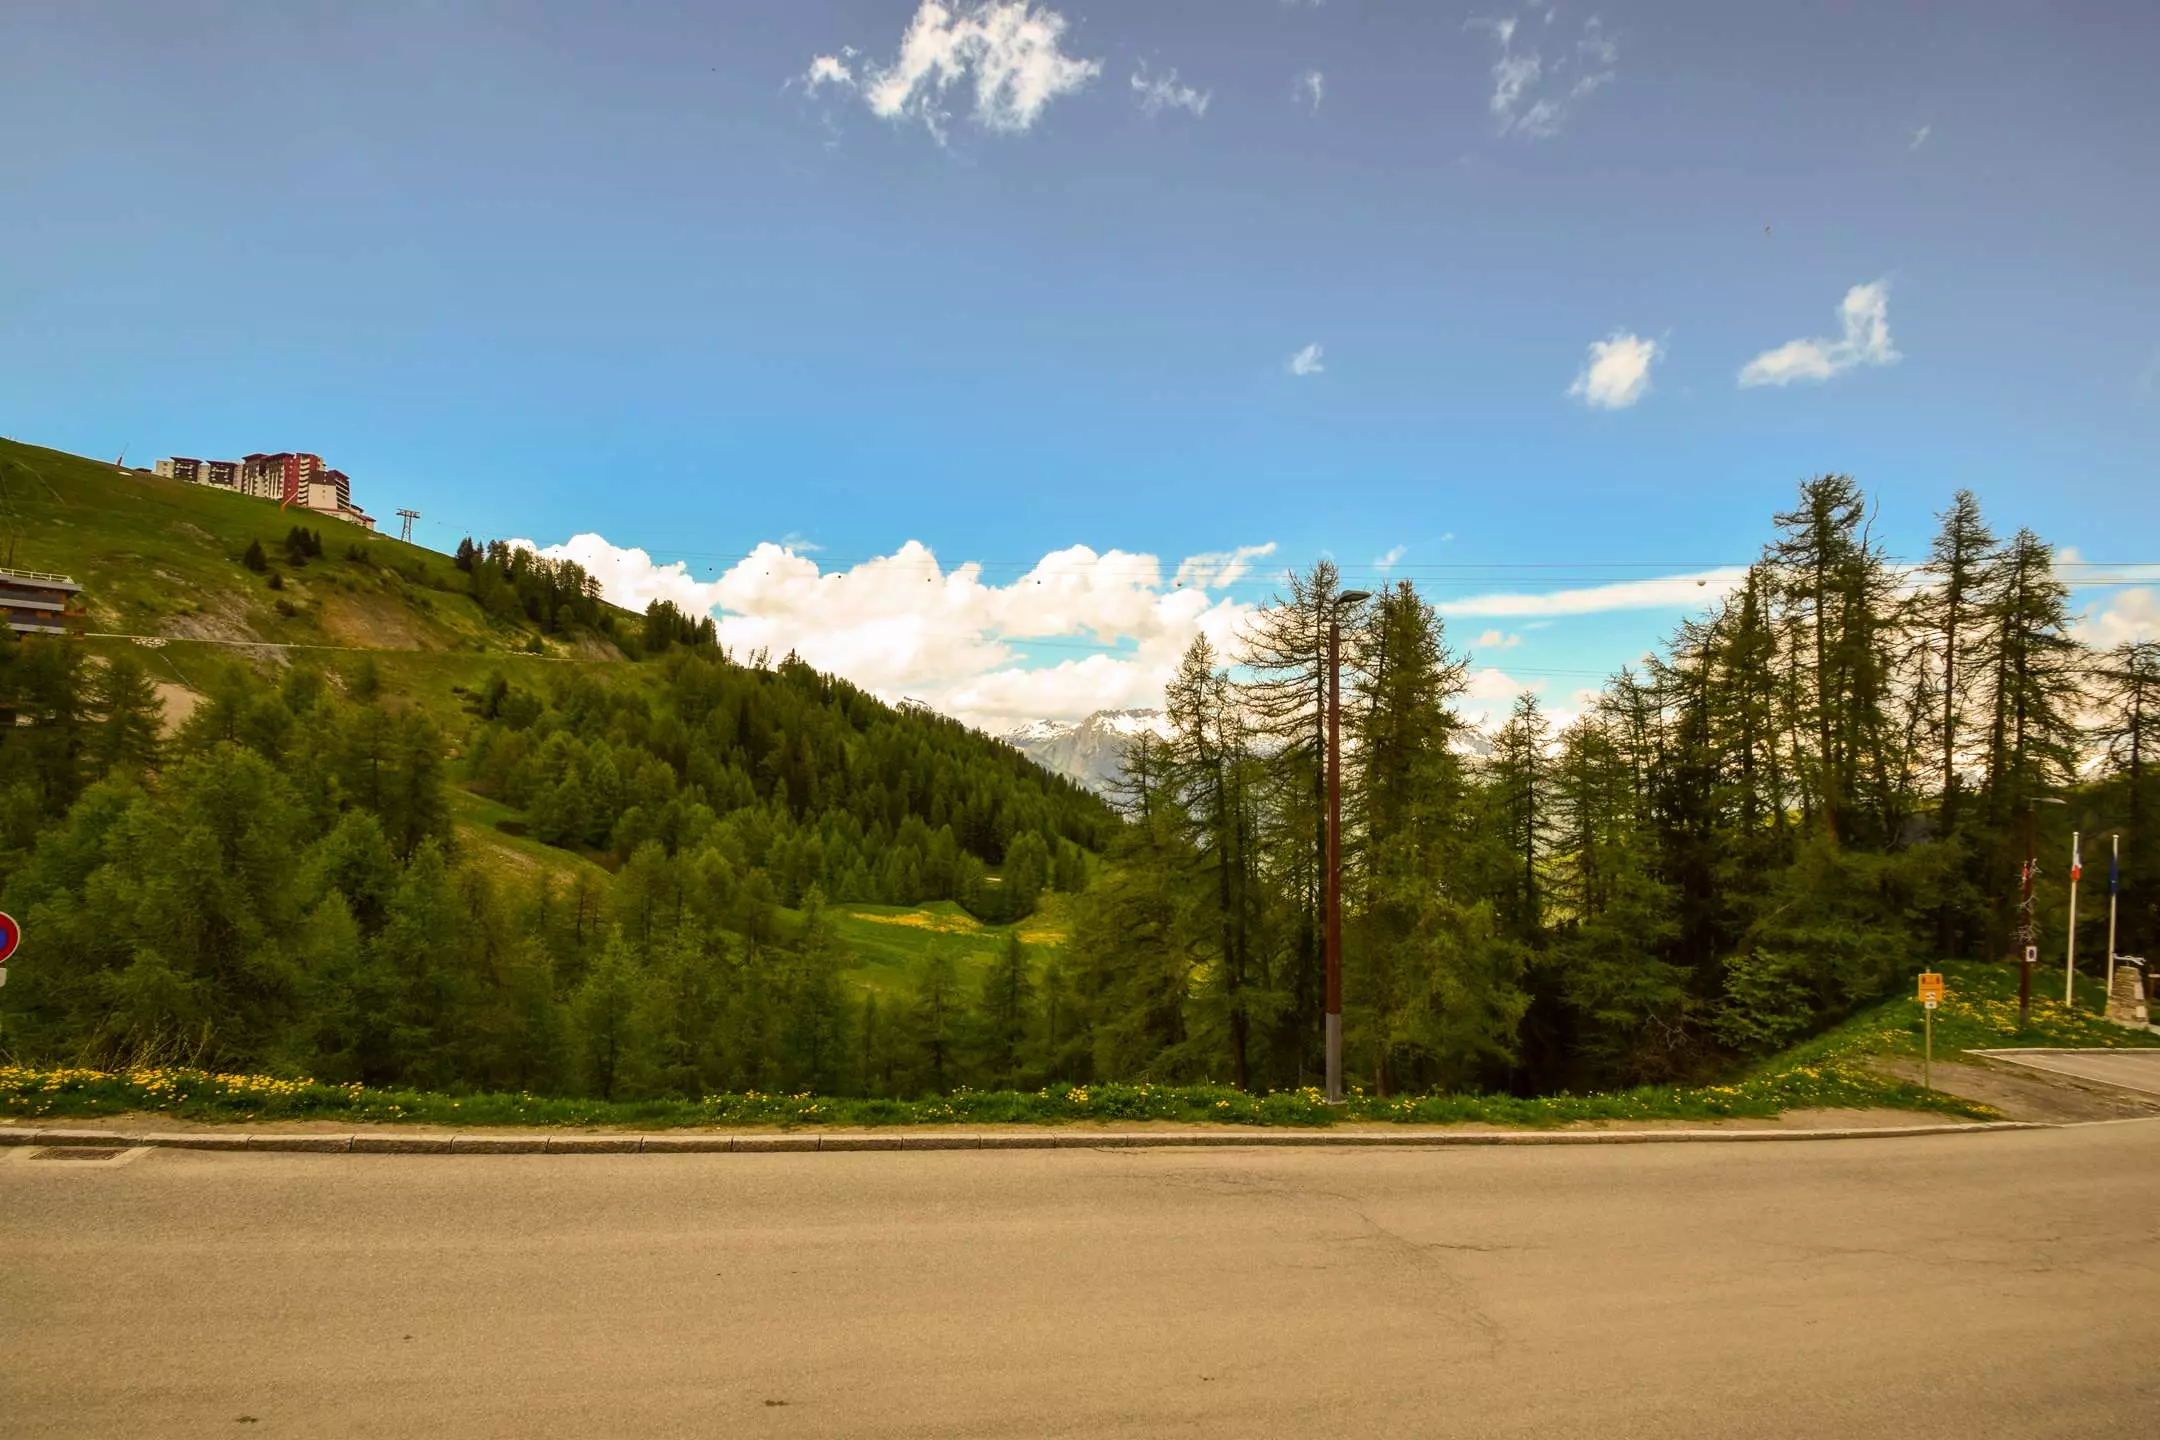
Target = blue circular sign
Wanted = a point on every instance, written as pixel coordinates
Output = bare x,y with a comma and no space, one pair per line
10,936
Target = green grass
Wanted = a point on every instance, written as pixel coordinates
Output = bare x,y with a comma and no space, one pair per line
32,1094
1979,1011
195,1095
889,942
510,856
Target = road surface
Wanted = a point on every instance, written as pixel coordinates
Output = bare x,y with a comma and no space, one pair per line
1984,1285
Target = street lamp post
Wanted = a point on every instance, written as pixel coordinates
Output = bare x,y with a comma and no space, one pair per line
1334,841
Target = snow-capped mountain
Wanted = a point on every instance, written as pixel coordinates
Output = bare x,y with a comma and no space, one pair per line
1091,751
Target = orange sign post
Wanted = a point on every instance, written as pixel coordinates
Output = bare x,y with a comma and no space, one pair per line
1931,994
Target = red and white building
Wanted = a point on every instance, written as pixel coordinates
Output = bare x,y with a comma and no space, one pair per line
292,478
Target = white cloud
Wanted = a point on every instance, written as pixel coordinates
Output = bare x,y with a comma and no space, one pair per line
1490,683
1617,373
1920,136
1309,90
1494,640
1666,592
1306,361
1865,318
1160,92
829,70
903,625
1010,52
1535,90
1393,557
2129,615
1221,569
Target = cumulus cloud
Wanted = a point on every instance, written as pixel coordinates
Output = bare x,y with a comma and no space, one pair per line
2129,615
903,625
1920,136
1162,92
1009,52
1389,561
1495,640
1864,317
1306,361
1309,90
1665,592
1617,374
1537,86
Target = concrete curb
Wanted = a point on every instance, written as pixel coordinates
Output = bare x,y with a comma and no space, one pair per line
379,1143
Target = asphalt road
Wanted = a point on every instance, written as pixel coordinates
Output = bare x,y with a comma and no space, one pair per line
1971,1286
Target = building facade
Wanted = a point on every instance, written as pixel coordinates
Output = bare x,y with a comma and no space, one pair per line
289,477
33,602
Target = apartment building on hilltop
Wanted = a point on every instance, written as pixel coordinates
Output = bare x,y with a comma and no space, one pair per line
288,477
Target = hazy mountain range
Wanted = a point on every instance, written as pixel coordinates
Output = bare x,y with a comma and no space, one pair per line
1092,751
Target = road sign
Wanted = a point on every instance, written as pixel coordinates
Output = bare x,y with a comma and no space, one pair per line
10,936
1931,993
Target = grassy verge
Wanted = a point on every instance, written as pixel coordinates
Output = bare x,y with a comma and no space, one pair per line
1830,1071
30,1094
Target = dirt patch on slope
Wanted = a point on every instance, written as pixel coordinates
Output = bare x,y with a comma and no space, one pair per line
222,619
176,703
374,622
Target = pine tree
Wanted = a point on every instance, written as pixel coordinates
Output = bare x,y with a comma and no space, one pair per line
1960,570
1211,775
1518,771
1005,1015
1286,651
611,1016
2127,685
124,713
934,1022
816,1039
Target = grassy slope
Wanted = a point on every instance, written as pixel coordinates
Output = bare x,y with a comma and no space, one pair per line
158,557
890,941
1979,1011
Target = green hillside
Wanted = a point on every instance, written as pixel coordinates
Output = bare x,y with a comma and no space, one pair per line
159,557
335,803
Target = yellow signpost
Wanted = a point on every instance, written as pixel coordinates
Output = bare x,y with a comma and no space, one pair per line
1931,993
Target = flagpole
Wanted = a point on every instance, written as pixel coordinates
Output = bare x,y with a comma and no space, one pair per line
2070,948
2114,884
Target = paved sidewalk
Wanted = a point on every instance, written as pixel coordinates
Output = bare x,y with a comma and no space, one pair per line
2137,1070
389,1140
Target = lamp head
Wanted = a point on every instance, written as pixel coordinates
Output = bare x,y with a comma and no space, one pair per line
1352,597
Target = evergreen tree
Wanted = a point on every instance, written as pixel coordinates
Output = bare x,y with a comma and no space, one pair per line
817,1011
124,712
1005,1015
611,1021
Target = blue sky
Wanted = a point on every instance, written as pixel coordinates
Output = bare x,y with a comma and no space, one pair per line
558,270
